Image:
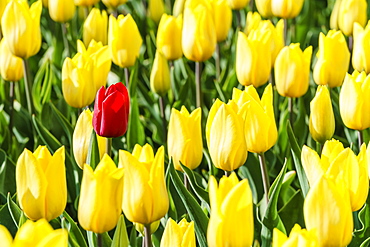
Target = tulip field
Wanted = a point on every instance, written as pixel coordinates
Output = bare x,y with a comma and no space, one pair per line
165,123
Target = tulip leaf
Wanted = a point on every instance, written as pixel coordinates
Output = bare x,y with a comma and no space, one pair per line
45,135
120,238
75,237
7,174
194,210
291,212
135,132
41,88
67,127
14,210
362,234
93,156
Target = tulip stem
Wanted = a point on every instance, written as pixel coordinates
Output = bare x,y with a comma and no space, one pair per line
198,83
127,76
163,116
28,86
217,62
65,40
291,112
360,138
100,240
265,176
11,103
109,146
147,236
285,31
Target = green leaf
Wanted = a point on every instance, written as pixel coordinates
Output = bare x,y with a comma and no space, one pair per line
93,156
120,238
135,132
75,237
7,175
7,220
45,135
67,127
14,210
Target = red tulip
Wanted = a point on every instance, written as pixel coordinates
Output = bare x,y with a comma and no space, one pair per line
111,109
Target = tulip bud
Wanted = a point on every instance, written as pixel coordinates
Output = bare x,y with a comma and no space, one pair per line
5,237
350,12
160,79
113,3
169,36
231,205
156,10
99,207
252,22
297,237
178,7
253,57
361,47
181,234
21,28
86,3
223,129
322,121
199,37
185,138
82,138
264,8
96,27
354,101
41,183
11,67
333,59
144,184
286,9
61,10
238,4
124,40
327,209
2,8
111,110
292,71
222,16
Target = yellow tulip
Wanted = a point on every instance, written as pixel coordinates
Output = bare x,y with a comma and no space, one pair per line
264,8
5,237
156,10
145,197
100,202
2,8
185,138
231,219
238,4
199,36
327,209
322,121
333,59
61,10
180,235
113,3
160,78
350,12
41,183
85,73
222,15
286,9
124,40
223,129
96,27
82,137
169,36
178,8
86,2
361,47
297,237
11,67
21,28
253,57
252,22
292,71
354,101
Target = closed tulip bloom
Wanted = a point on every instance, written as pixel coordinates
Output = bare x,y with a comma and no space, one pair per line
292,71
96,27
11,67
333,59
111,110
361,47
21,28
82,137
41,183
231,219
277,37
199,36
86,2
350,12
222,16
169,36
322,121
113,3
160,79
297,237
252,22
238,4
156,10
334,223
181,234
264,8
61,10
184,141
223,129
354,101
124,40
145,198
286,9
2,8
99,207
5,237
253,57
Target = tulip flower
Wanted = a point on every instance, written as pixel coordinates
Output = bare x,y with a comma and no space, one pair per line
253,57
252,22
2,8
99,207
361,47
199,36
264,7
160,78
350,12
96,27
286,9
86,3
292,71
169,36
41,183
327,209
156,10
238,4
111,110
5,237
85,73
124,40
181,234
322,121
61,10
224,126
231,220
145,197
82,138
11,67
222,17
21,28
185,138
354,101
297,237
333,59
113,3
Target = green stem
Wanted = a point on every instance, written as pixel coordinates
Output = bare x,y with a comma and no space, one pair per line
163,116
127,76
11,108
265,177
291,112
147,236
360,138
286,31
65,40
319,147
109,146
218,62
28,86
198,83
100,240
